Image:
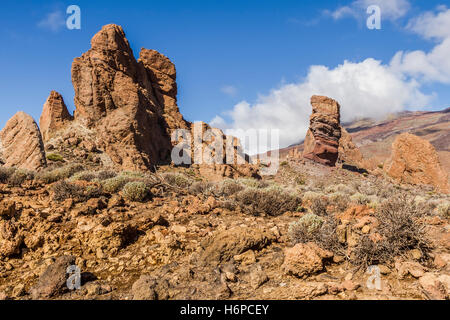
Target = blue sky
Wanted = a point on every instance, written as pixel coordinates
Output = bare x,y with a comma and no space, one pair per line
235,60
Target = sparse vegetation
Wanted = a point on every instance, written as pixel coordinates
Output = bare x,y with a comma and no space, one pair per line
270,201
135,191
308,224
20,176
5,174
114,185
55,157
177,180
51,176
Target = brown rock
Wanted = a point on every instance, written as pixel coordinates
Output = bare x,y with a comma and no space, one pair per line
21,142
322,139
415,161
348,151
305,259
54,115
53,280
224,245
435,287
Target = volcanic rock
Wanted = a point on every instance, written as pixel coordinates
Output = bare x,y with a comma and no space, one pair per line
415,161
348,151
322,139
54,116
114,95
22,145
53,280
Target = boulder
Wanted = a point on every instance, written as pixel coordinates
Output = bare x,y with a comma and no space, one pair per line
415,161
305,259
322,139
54,116
54,279
21,142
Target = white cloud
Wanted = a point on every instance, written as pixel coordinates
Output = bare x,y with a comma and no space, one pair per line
433,66
229,90
432,25
54,21
365,89
390,9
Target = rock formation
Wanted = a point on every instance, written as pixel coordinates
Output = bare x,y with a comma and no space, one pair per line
322,139
115,96
348,152
54,116
415,161
22,145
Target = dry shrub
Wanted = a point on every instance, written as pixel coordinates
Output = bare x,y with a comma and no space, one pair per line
204,188
6,173
177,180
229,187
400,230
321,230
270,201
340,201
63,190
84,176
319,206
19,176
50,176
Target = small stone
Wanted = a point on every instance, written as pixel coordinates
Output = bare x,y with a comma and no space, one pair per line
246,258
18,291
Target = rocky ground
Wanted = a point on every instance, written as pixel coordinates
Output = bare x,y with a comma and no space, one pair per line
187,238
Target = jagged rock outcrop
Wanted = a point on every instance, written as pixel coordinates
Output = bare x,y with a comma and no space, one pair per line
22,145
322,139
415,161
115,95
54,116
130,105
348,152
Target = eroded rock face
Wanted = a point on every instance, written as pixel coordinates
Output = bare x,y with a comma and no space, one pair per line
54,116
348,151
114,95
21,142
415,161
322,139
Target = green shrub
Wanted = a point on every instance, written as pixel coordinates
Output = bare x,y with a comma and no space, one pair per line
135,191
309,223
55,157
115,184
252,183
106,174
360,198
84,176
